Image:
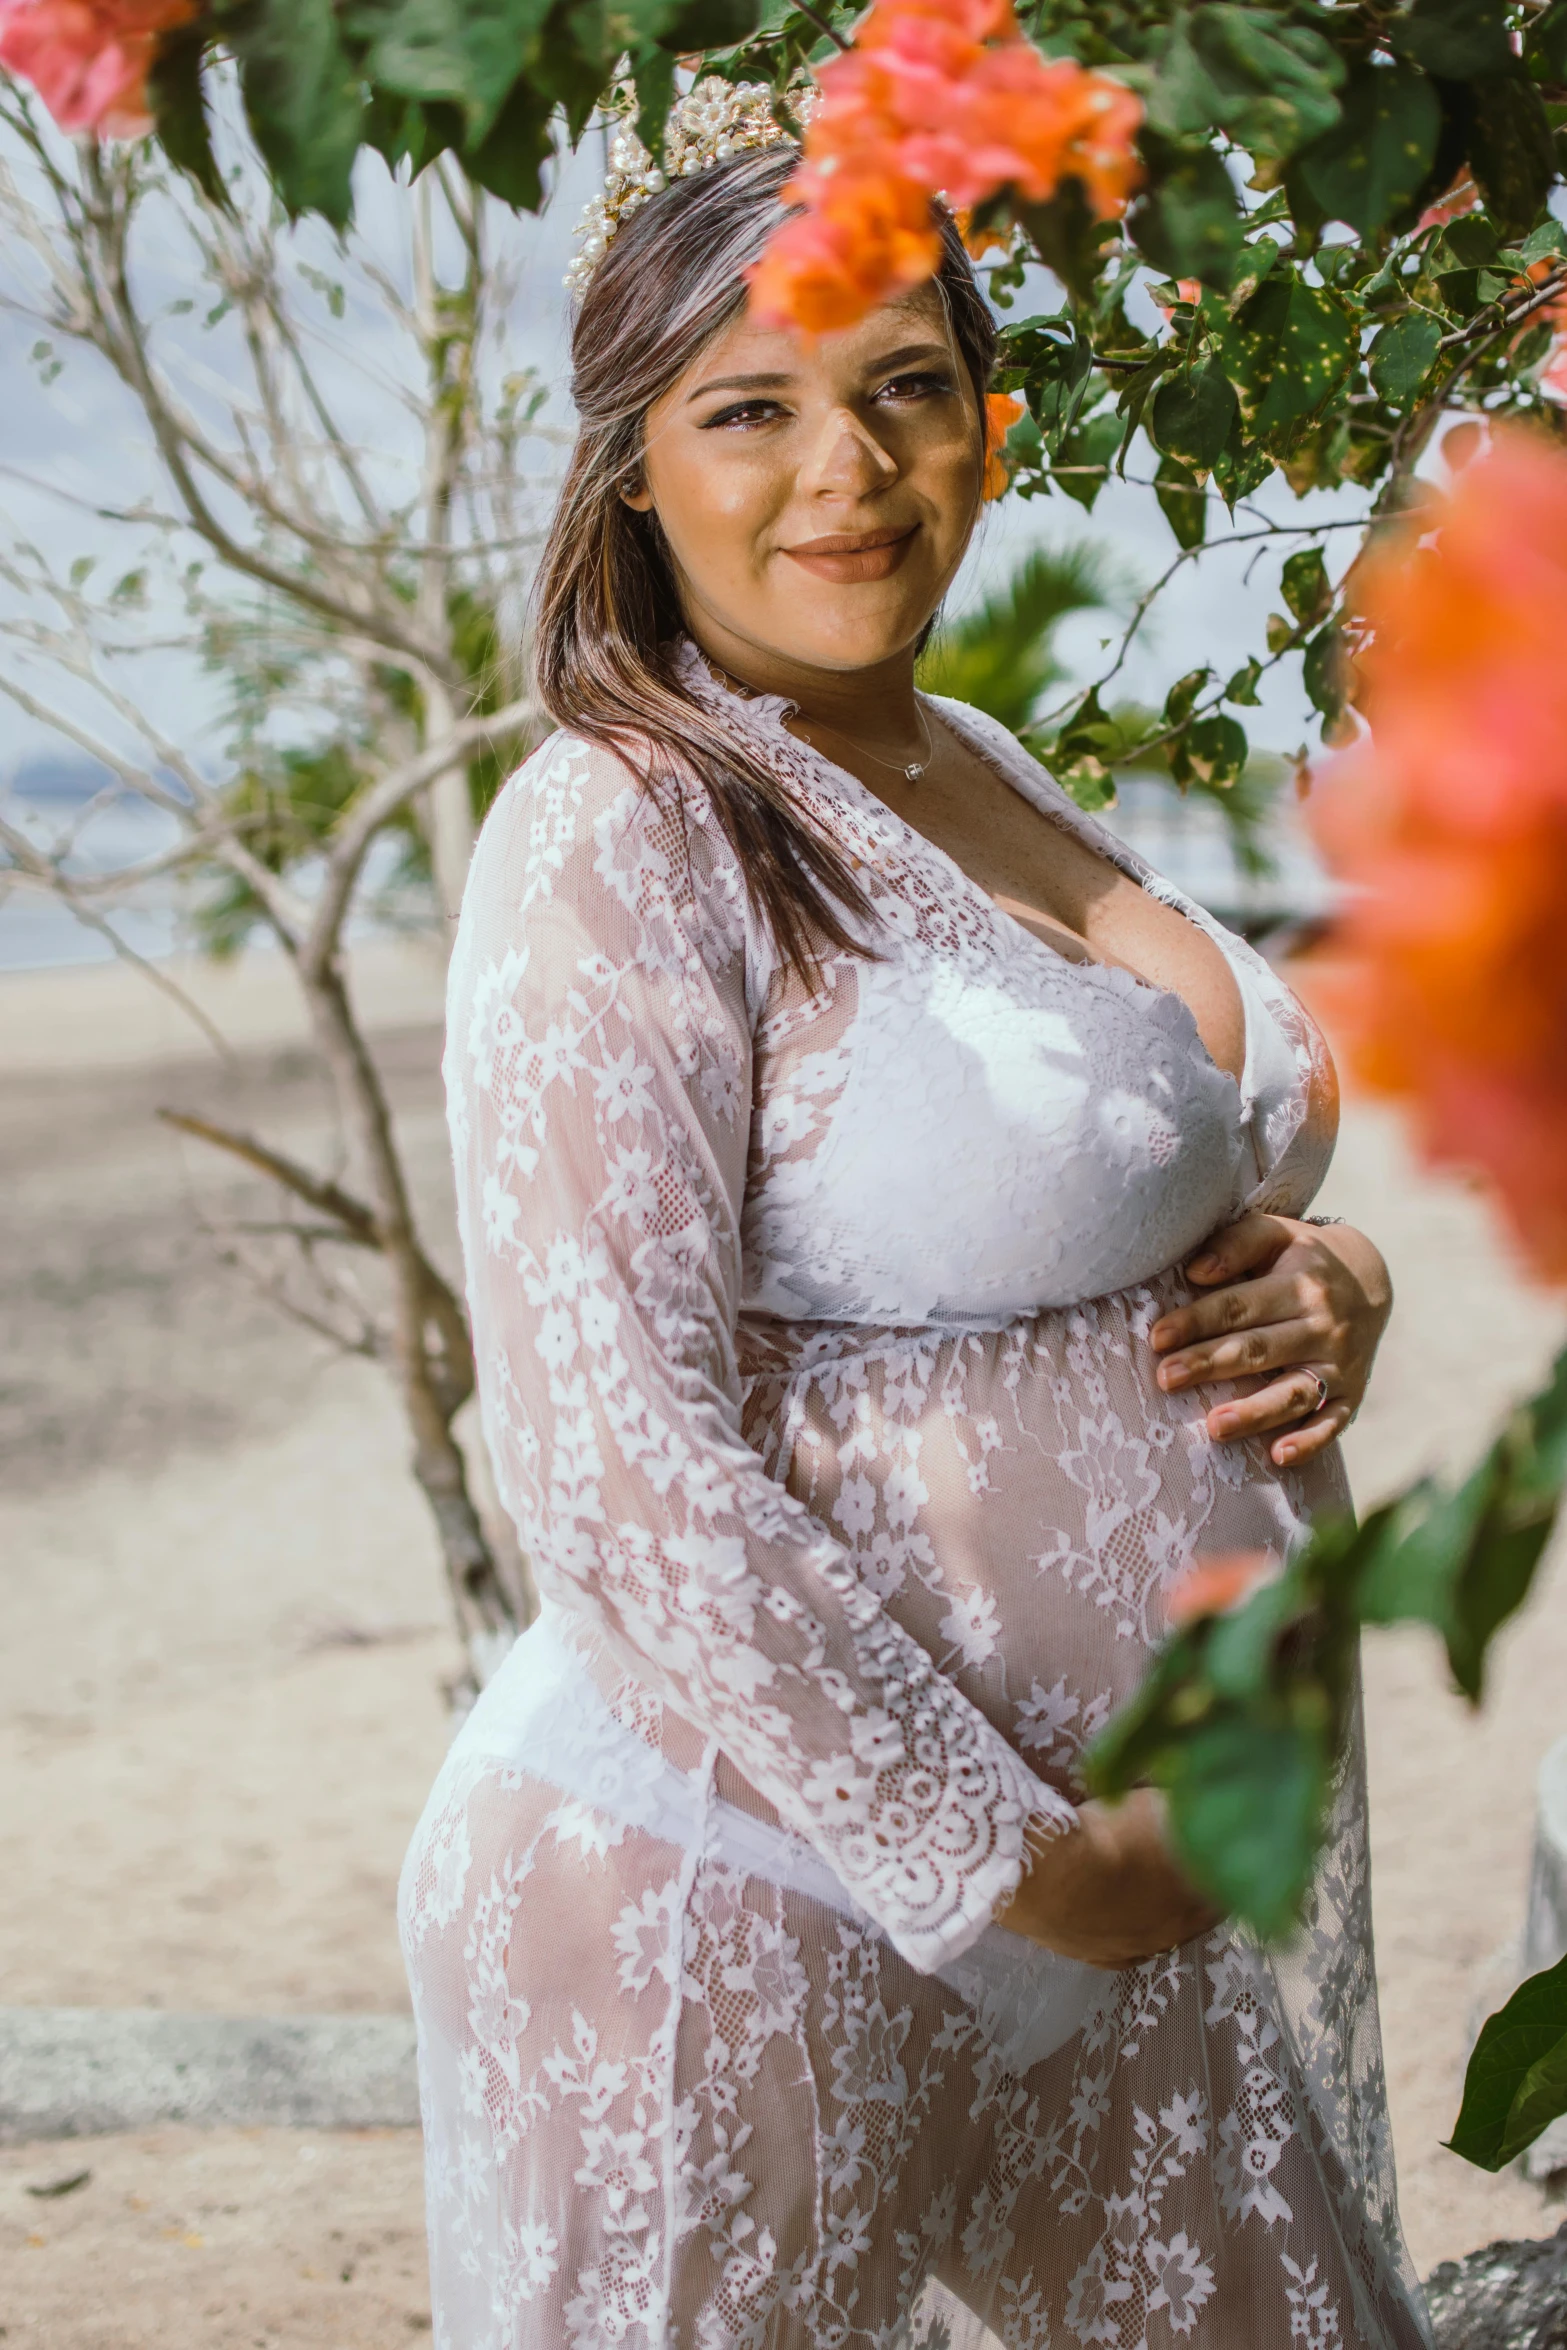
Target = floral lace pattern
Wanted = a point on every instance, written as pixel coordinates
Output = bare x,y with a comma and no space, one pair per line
853,1509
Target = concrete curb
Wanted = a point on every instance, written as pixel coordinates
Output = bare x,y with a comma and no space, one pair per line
77,2072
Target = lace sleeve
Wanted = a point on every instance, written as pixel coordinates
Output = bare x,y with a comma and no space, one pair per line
599,1081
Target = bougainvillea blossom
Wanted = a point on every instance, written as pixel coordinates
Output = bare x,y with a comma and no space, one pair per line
1001,413
1447,979
936,98
1212,1586
89,59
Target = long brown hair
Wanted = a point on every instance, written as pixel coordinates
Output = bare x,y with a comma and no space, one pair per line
607,614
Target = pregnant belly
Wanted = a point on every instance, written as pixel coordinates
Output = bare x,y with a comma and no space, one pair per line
1020,1499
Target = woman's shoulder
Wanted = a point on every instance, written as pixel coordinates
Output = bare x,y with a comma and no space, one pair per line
579,823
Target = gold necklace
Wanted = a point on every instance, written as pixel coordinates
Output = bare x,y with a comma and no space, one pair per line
910,769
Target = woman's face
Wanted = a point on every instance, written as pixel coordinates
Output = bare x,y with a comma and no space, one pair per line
818,501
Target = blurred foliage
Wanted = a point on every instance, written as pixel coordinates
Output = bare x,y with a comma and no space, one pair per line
1001,656
1243,1716
290,797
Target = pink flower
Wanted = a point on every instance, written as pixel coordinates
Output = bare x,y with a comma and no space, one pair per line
89,59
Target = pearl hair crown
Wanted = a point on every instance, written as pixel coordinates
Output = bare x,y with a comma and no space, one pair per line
714,120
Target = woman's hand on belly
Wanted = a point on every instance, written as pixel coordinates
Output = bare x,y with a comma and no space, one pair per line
1110,1892
1299,1299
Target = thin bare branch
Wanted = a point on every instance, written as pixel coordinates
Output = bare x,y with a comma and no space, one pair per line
369,815
352,1218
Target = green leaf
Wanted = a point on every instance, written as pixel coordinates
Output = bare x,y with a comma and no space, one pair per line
1068,237
1269,85
1210,753
1511,151
1378,155
1240,467
1182,501
468,53
510,160
1279,80
1242,687
1465,1561
1086,456
304,100
1457,40
1247,1798
1404,354
1090,783
1323,670
179,108
1192,415
1188,220
1279,633
1545,44
710,24
1516,2082
1306,587
1087,729
1047,360
1471,240
653,72
1178,701
1287,351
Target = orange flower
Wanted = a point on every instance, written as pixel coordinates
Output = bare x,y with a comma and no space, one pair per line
937,97
1212,1586
874,240
1448,970
1001,413
89,59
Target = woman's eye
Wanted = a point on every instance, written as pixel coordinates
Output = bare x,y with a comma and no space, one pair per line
915,387
743,413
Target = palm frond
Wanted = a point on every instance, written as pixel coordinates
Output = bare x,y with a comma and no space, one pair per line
1001,655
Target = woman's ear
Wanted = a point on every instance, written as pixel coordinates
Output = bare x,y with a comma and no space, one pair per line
637,495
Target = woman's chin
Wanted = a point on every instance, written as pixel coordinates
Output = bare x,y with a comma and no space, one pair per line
841,628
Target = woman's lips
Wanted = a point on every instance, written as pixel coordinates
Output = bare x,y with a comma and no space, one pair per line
854,555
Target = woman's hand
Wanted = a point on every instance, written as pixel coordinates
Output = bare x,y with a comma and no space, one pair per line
1317,1302
1109,1892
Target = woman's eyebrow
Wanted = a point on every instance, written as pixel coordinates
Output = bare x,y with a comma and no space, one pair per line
739,383
905,356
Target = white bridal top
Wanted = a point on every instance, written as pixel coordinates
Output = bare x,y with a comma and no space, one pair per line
811,1331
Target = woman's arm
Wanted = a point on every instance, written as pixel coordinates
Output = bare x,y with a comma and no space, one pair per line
600,1081
1113,1893
1298,1298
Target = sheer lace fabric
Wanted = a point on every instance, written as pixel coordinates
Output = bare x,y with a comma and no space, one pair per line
812,1341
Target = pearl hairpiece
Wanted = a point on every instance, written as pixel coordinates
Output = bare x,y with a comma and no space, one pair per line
714,120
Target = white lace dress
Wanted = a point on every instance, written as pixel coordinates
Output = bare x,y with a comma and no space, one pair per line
812,1347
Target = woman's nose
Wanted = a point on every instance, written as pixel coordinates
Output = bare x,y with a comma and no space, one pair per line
847,456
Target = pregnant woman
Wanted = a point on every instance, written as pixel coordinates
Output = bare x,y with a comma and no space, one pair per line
874,1182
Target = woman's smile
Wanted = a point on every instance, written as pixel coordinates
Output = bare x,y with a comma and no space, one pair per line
847,556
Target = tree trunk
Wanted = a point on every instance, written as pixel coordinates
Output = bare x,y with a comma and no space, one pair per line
431,1356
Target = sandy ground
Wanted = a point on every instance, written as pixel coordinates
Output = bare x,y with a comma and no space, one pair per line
226,1633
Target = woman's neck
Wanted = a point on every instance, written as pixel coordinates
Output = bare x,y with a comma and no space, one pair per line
871,705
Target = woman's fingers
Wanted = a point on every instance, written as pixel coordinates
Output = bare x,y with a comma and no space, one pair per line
1294,1401
1247,1246
1279,1335
1311,1436
1276,1297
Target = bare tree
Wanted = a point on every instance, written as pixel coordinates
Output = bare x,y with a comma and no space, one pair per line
334,534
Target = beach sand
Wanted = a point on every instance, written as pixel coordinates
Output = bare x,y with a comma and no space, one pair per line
221,1696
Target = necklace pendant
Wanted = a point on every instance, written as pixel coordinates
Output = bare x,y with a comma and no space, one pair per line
914,771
